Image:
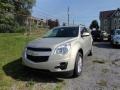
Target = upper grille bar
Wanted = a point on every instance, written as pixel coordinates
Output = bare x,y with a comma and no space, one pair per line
39,49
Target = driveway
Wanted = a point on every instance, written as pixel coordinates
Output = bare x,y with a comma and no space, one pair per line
100,71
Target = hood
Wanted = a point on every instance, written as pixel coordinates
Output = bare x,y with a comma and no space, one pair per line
48,42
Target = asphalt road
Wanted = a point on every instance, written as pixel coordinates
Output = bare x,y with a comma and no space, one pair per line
100,71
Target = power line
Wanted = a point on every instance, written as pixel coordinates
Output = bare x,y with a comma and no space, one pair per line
48,16
46,13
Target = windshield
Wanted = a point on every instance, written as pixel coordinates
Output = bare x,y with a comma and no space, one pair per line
117,32
63,32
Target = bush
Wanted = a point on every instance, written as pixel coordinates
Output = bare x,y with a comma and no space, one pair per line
6,28
20,29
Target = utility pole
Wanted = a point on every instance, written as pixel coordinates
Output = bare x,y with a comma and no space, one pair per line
46,21
30,29
30,24
68,15
73,22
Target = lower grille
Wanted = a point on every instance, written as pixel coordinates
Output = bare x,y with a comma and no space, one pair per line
38,58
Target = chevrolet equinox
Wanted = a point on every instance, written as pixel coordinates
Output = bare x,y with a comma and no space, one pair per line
60,50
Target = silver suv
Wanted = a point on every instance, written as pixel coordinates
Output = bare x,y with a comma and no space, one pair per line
61,50
115,37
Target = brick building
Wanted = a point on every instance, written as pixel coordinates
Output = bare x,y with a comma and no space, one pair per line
110,20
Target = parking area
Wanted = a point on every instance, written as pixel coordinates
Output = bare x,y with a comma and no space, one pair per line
100,71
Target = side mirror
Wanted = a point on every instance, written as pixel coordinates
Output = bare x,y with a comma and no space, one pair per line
85,34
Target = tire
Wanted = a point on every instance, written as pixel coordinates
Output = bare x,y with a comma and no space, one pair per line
91,52
78,65
111,42
113,45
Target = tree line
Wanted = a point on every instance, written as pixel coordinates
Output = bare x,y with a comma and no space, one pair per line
13,13
52,23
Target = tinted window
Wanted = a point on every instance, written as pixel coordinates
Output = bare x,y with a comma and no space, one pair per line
117,32
63,32
112,32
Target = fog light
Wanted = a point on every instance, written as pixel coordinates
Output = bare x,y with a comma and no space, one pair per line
62,66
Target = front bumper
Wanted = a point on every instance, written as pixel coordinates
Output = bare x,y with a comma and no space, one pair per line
55,63
116,42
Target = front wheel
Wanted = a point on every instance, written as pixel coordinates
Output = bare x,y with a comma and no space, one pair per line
78,65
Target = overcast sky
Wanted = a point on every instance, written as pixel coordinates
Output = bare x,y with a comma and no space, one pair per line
81,11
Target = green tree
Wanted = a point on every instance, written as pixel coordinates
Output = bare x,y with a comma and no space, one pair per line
14,13
6,16
53,23
57,22
23,9
94,24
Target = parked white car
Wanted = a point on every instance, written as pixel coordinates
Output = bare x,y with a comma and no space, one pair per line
115,37
61,50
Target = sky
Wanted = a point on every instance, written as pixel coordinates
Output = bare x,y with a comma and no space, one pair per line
81,11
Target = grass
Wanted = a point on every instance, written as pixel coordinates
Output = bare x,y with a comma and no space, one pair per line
12,73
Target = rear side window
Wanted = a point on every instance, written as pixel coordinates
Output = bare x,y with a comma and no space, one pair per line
112,32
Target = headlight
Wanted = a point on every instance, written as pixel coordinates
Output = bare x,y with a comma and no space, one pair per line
62,49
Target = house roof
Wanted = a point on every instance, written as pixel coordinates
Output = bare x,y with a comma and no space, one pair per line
106,14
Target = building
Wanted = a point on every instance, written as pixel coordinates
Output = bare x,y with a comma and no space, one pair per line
35,21
110,20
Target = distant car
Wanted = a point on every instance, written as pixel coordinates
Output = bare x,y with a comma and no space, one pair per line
96,34
61,50
115,37
104,34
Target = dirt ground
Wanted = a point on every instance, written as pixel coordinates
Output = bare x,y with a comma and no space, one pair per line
100,71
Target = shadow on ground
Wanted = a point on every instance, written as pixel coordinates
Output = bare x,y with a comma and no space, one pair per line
19,72
105,45
102,45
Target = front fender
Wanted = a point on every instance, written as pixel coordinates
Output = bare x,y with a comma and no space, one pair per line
74,50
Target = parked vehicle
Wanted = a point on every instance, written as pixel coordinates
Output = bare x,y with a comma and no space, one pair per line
61,50
115,37
104,34
96,34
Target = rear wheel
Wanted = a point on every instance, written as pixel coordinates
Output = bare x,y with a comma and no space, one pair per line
113,45
91,52
78,65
